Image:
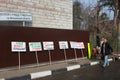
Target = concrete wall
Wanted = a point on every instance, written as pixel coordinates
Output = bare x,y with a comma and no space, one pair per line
46,13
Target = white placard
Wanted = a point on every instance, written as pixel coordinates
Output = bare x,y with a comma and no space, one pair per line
18,46
15,16
77,45
35,46
63,44
48,45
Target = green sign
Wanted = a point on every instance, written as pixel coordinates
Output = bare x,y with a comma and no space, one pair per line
35,46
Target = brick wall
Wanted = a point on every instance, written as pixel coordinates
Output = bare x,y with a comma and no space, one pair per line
45,13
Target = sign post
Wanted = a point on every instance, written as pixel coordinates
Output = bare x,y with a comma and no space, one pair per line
19,60
48,46
37,58
65,55
75,54
64,45
18,47
82,53
50,57
35,46
77,45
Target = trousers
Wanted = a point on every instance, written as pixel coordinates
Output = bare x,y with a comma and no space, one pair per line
106,62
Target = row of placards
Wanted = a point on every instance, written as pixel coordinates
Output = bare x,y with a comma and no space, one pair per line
37,46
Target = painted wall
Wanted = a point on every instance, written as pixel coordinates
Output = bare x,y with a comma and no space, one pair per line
29,34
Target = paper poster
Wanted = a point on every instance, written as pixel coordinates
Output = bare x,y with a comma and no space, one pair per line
77,45
63,44
18,46
48,45
35,46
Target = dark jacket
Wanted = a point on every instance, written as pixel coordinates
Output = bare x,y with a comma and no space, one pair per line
108,49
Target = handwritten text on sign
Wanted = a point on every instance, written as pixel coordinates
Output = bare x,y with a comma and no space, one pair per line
77,45
18,46
48,45
63,44
35,46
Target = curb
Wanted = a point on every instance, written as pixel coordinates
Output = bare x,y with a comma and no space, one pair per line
51,72
23,77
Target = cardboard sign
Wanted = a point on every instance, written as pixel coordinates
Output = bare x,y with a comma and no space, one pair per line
48,45
35,46
63,44
77,45
18,46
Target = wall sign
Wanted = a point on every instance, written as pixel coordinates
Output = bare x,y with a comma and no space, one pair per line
15,16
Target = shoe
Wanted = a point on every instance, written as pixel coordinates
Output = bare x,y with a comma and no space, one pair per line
103,66
107,65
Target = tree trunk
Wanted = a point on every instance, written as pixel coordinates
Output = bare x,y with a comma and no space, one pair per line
115,24
115,14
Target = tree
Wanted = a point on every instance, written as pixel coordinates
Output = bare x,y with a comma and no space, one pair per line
113,5
80,16
92,19
77,12
104,16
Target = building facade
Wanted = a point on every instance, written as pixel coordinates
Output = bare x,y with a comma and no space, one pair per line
44,13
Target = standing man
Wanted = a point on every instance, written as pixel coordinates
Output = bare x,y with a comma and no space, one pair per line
106,49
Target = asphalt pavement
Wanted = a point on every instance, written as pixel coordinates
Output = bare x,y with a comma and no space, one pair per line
95,72
44,69
35,71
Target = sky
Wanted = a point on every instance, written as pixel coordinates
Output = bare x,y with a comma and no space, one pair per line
92,3
88,2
